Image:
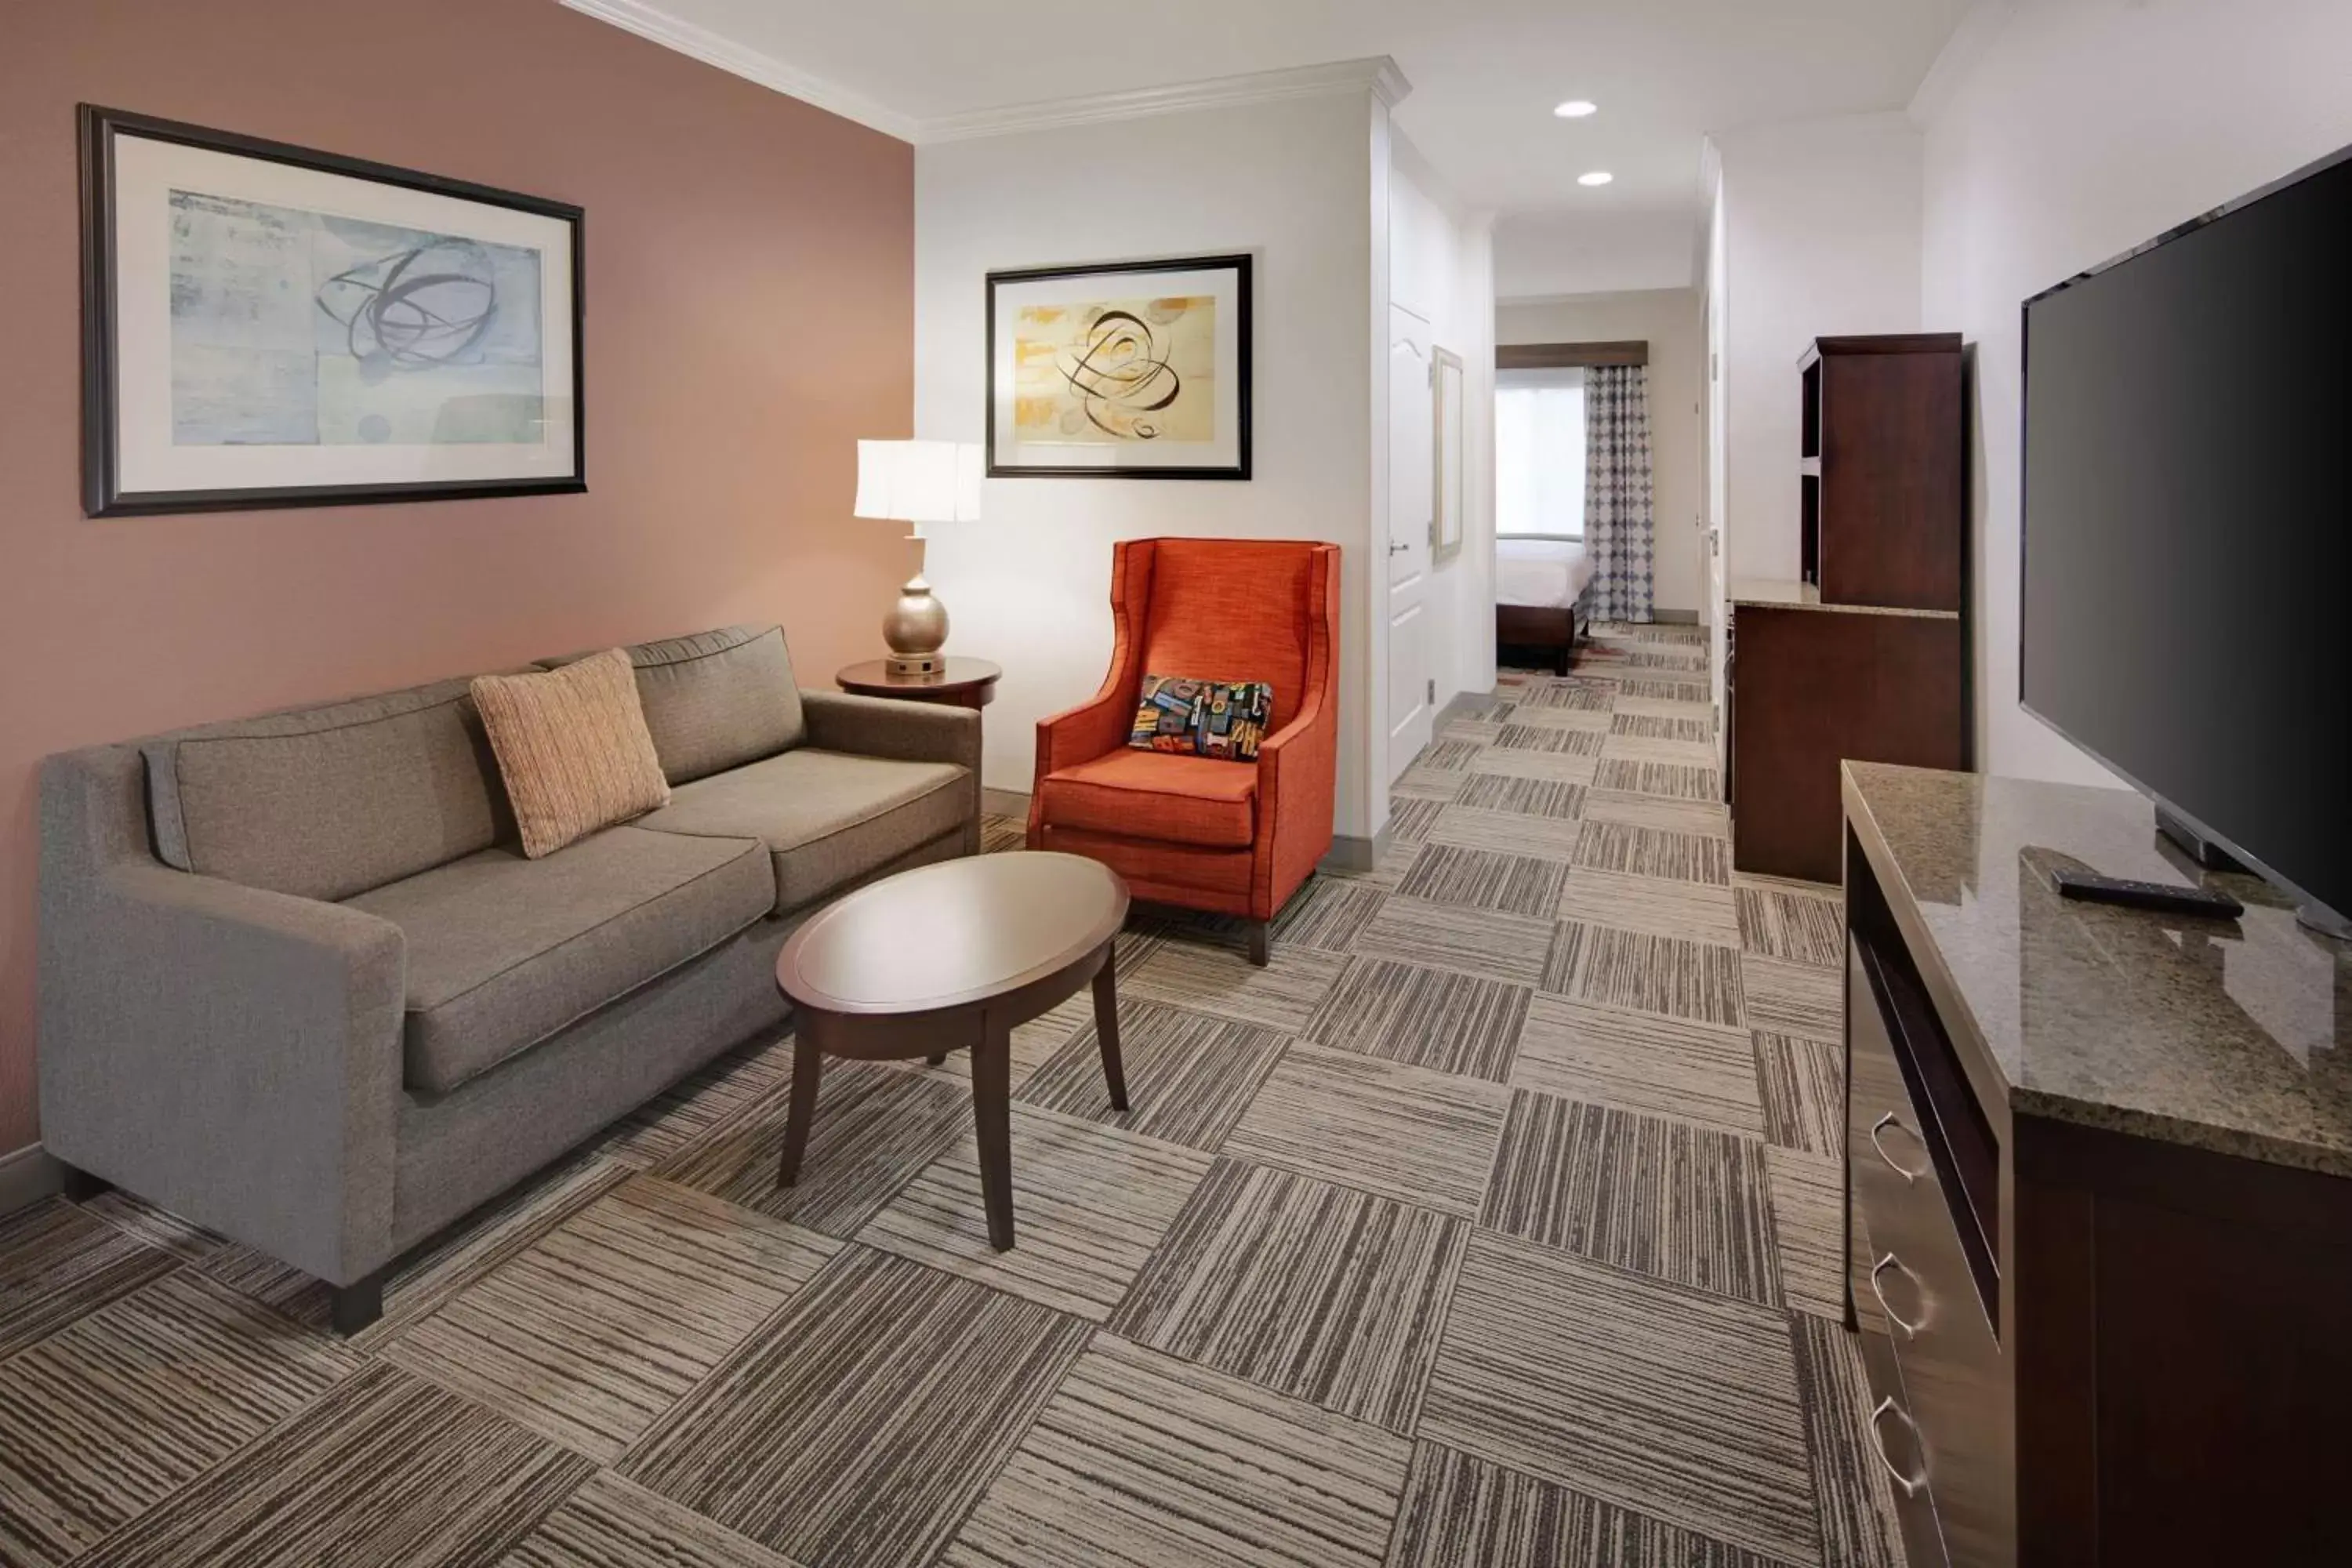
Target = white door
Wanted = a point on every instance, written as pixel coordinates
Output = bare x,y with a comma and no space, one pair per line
1412,425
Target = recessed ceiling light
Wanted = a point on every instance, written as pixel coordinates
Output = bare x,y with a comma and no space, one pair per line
1575,109
1598,177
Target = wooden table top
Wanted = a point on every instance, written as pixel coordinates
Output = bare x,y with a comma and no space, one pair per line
953,933
873,677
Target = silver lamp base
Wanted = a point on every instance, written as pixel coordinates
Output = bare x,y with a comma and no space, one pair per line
916,628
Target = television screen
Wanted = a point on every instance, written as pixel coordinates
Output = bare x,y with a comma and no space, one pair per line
2188,508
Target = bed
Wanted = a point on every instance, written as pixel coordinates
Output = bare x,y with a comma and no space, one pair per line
1539,593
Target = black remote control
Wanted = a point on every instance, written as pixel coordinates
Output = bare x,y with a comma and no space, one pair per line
2169,897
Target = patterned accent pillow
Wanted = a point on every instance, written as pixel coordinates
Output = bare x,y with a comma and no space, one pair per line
1220,719
573,749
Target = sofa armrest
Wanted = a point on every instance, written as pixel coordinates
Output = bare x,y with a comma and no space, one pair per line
902,732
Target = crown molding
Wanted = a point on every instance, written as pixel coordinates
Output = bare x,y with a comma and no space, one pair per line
699,43
1378,76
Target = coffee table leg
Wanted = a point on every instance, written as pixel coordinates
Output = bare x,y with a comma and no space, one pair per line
1107,1024
807,1063
992,1107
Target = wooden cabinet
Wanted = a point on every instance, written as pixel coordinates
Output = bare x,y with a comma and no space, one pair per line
1880,480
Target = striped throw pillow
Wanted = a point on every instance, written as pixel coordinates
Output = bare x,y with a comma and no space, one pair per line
574,748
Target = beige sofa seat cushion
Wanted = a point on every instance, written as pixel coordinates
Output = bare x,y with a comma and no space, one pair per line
326,802
715,700
504,951
827,817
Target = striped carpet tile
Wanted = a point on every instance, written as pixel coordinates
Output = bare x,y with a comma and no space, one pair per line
1402,1132
1462,1512
1090,1203
1697,753
1665,1198
1508,833
1654,727
1509,948
1424,1017
1655,811
1660,906
1857,1511
1700,709
1142,1459
1640,1061
1482,879
1647,973
386,1469
609,1523
875,1128
57,1263
1424,782
102,1420
1410,820
1531,797
1667,658
1188,1078
1326,913
1809,1222
1596,719
1778,924
860,1424
1674,781
1593,696
999,834
1448,757
1670,1401
1559,767
610,1319
1548,738
1665,689
694,1109
420,1282
1476,731
1655,852
1281,997
146,1224
1802,1084
1314,1291
1794,998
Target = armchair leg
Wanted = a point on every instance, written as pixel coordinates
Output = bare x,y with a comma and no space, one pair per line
1260,946
354,1306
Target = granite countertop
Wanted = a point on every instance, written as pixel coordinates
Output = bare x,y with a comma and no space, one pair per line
1773,594
2234,1036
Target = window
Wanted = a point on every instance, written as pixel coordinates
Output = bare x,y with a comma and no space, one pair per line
1539,453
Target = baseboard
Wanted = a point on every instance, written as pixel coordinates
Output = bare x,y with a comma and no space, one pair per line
26,1176
1004,802
1675,617
1350,853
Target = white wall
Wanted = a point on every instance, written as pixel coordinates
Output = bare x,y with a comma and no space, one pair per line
1822,239
1441,268
2079,129
1669,320
1291,182
1586,252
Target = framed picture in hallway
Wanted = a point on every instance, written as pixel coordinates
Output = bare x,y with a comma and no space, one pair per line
266,325
1136,370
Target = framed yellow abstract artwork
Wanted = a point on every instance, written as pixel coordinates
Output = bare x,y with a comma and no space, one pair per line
1128,370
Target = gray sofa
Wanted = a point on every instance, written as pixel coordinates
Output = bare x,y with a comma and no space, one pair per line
299,983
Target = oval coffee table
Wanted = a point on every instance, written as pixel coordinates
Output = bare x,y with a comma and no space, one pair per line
947,957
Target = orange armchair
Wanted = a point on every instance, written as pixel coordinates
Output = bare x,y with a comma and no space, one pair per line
1198,832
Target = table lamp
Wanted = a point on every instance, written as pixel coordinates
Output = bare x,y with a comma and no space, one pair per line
917,482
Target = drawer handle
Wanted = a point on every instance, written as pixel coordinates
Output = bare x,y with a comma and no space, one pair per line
1910,1485
1910,1330
1880,1125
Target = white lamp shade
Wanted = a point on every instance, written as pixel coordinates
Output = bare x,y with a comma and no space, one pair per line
919,481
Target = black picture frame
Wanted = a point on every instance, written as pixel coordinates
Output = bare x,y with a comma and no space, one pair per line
1238,263
102,494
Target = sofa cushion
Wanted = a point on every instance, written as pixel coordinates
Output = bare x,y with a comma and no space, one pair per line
327,801
504,951
715,700
573,748
1162,795
827,817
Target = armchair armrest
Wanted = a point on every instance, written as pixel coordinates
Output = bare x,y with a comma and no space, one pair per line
1298,765
1094,728
902,732
231,1053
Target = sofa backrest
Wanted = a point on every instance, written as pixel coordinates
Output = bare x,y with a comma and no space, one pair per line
328,802
717,700
1233,609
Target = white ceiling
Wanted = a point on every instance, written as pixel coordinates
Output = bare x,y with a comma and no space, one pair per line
1484,73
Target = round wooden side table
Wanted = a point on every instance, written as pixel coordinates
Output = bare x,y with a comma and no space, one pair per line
964,683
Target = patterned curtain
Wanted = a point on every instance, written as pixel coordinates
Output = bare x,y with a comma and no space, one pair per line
1617,490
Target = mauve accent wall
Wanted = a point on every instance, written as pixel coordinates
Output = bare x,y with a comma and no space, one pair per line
750,312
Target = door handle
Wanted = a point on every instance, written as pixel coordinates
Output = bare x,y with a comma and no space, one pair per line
1399,546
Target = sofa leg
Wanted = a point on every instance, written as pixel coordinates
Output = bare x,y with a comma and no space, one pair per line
80,1186
358,1304
1260,946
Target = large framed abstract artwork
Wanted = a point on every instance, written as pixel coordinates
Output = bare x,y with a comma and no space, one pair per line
1136,370
265,325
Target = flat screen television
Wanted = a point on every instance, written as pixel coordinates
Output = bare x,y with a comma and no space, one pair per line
2187,526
